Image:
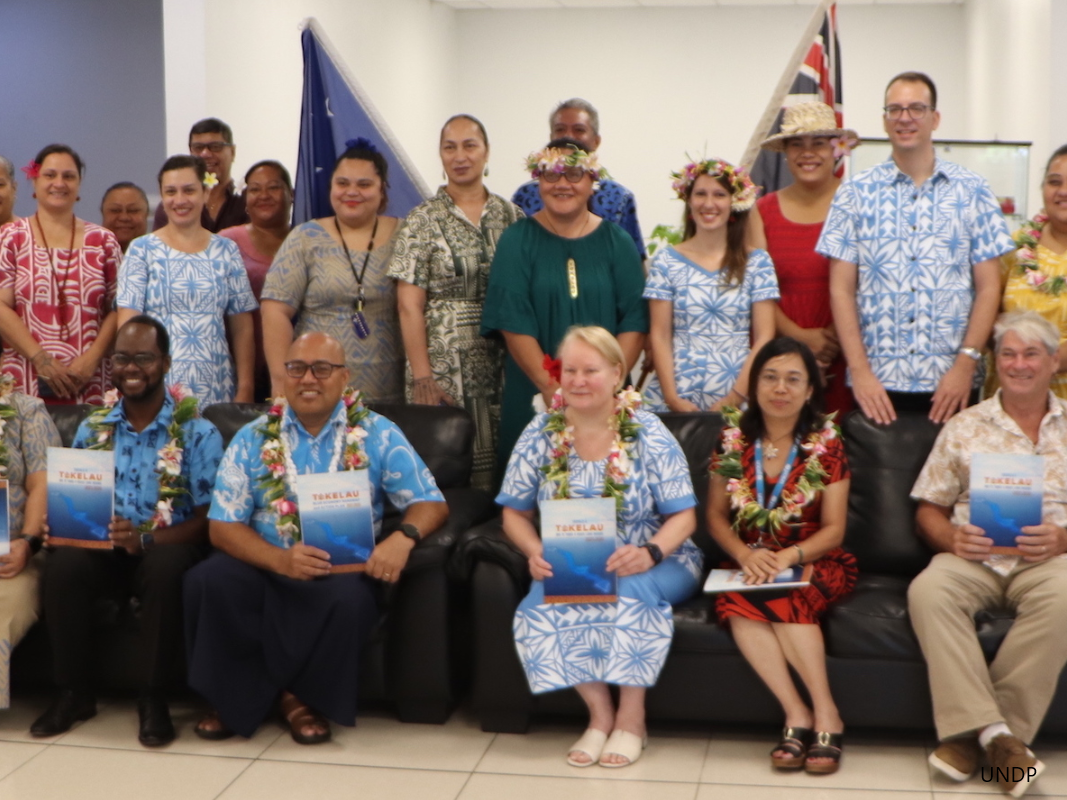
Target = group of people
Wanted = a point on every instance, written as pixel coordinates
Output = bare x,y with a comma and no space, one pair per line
896,273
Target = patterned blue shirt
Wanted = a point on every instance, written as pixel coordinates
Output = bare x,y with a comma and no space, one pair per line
611,200
136,454
915,248
660,485
395,470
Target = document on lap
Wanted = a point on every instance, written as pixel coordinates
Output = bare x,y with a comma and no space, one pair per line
81,497
336,516
1005,496
579,537
733,580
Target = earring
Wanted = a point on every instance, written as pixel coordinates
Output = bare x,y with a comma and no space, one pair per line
486,172
444,175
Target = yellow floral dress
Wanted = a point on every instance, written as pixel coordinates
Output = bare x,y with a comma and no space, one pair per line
1020,295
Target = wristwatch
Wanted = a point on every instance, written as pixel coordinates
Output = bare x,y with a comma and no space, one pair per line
148,541
654,551
411,532
972,353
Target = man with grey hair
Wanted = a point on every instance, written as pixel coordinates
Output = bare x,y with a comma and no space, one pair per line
996,708
577,119
8,191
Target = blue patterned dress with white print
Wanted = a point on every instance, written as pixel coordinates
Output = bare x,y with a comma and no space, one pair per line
624,643
712,323
191,294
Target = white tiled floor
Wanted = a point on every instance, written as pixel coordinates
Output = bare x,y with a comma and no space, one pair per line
387,760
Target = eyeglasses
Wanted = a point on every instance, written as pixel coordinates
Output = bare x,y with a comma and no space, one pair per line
320,369
916,111
771,380
142,360
214,147
572,174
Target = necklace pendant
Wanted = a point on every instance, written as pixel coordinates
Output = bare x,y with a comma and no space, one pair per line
770,452
572,278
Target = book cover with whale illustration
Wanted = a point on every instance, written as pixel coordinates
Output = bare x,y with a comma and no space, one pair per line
733,580
81,497
5,520
1006,494
578,537
336,516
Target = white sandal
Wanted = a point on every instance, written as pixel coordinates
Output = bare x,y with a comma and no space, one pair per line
625,744
591,744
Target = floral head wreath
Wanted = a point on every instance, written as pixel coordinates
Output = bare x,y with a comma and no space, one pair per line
558,159
742,188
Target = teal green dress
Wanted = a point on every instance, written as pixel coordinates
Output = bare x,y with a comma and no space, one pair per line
528,294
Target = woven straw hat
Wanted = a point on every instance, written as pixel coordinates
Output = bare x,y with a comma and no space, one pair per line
809,119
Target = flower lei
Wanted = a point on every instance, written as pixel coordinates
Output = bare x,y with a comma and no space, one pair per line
742,188
7,411
169,464
558,159
620,464
280,479
1027,238
750,511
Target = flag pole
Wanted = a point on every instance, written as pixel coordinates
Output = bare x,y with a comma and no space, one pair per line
357,90
780,92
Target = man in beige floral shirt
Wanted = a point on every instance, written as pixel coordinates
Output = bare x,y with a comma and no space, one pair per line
998,707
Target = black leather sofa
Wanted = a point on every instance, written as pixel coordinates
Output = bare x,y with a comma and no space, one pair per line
412,664
875,665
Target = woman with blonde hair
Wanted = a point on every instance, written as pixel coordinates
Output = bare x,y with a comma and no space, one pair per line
596,442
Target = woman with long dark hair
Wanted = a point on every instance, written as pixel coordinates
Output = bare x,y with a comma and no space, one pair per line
711,299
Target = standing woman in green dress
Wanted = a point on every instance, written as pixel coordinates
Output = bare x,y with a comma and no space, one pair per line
563,266
441,261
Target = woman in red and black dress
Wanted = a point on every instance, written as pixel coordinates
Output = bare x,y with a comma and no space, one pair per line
779,498
787,224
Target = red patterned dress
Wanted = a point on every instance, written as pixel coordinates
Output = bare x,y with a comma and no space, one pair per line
804,285
62,301
833,575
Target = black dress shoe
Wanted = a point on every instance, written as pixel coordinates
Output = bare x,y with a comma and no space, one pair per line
156,727
68,708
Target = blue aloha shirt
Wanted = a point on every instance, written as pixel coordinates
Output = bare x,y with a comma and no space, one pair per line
136,455
395,470
612,201
624,643
915,248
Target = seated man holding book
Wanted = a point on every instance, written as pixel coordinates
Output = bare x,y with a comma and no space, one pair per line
996,708
273,613
165,459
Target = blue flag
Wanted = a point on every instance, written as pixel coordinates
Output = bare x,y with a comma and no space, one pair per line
334,110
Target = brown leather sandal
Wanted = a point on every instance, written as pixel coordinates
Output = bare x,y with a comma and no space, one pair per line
210,727
795,743
298,715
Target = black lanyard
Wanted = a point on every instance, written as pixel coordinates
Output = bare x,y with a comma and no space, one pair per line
360,296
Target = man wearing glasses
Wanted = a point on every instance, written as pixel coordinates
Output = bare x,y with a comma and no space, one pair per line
212,140
914,245
153,541
577,119
268,622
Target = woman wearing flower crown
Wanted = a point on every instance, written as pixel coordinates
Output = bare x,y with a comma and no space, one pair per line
57,289
195,283
788,223
711,298
779,498
563,266
595,442
1035,275
330,276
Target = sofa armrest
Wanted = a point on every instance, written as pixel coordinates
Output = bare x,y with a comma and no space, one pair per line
487,542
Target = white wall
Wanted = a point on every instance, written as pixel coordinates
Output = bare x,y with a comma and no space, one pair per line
673,80
401,51
1010,78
